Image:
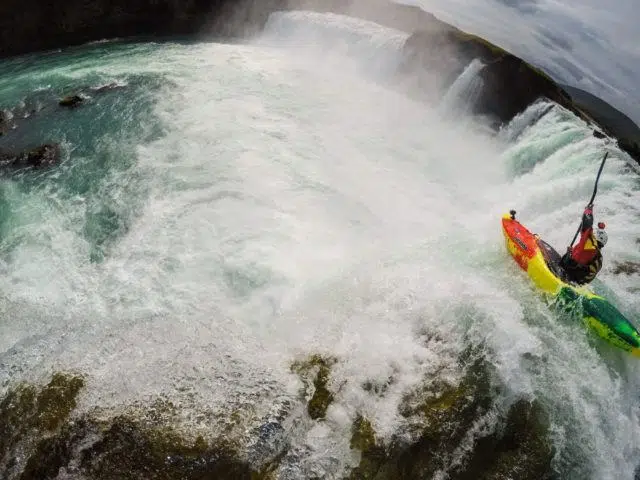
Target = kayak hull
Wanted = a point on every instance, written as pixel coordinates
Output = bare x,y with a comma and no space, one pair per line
541,263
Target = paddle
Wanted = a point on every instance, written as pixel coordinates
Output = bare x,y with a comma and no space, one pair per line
595,189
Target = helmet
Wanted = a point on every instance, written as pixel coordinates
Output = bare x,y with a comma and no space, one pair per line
601,237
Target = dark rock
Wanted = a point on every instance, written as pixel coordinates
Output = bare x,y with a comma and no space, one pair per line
130,449
43,156
613,121
6,121
598,134
632,148
71,101
28,413
510,84
627,268
519,447
33,25
39,438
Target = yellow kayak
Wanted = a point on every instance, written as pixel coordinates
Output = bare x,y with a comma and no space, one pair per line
541,262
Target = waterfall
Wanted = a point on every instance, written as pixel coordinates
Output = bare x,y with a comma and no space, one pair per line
464,91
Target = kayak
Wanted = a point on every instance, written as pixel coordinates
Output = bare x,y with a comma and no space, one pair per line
542,264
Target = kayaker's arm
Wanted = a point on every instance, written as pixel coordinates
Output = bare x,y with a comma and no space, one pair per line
586,229
587,219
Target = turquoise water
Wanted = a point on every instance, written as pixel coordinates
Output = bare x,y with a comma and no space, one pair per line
228,209
98,140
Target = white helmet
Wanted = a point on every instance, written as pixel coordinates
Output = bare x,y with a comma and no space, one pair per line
601,237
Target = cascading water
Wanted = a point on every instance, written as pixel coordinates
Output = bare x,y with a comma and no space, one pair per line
465,91
234,209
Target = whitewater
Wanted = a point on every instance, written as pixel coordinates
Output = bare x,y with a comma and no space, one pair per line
232,208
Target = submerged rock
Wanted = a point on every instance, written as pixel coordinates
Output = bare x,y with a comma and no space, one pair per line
43,156
4,122
71,101
108,87
129,449
315,371
627,268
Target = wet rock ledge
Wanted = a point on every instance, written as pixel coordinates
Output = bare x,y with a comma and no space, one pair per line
42,436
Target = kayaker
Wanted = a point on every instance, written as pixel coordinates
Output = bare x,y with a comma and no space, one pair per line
582,262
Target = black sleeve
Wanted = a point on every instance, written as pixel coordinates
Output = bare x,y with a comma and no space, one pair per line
587,220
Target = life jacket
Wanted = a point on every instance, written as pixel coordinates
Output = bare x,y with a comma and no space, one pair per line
582,274
587,248
585,260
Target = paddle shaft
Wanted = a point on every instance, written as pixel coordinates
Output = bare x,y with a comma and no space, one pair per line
595,190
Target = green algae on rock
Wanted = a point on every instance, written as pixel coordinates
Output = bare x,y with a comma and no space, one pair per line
322,397
39,440
373,454
129,449
30,415
517,448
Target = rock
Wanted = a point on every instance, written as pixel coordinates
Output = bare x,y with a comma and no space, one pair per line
3,122
108,87
510,84
43,156
322,396
28,412
71,101
518,447
6,121
79,21
38,438
631,147
521,449
614,122
627,268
